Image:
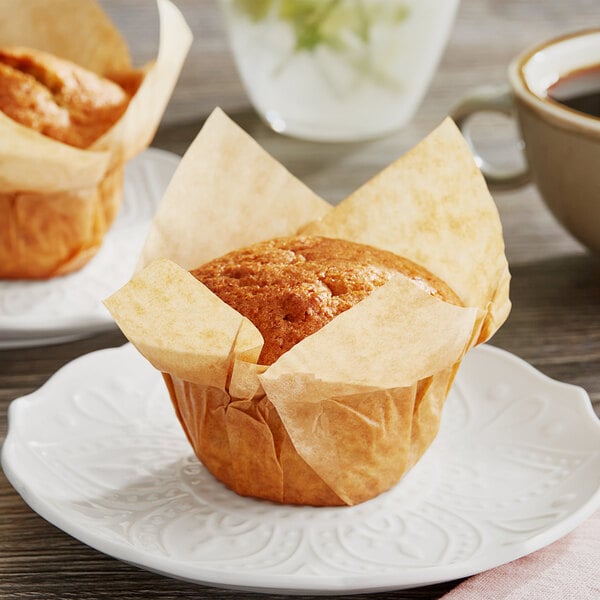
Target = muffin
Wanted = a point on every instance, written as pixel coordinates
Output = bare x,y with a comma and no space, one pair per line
75,111
55,233
364,311
290,287
58,98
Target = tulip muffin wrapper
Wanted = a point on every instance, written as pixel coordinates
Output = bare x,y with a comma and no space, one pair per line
54,174
346,412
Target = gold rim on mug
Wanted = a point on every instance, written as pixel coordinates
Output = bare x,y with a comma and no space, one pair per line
560,114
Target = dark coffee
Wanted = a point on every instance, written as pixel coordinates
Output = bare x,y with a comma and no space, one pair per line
579,90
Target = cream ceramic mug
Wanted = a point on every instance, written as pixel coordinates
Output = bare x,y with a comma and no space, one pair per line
561,144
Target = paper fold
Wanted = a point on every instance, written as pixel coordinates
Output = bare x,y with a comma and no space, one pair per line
226,173
192,333
432,206
136,128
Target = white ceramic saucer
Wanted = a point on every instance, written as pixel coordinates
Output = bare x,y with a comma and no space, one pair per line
35,313
98,452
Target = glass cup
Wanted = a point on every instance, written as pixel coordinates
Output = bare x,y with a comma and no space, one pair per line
337,70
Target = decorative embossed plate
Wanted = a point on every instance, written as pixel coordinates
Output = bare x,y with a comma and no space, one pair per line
34,313
98,452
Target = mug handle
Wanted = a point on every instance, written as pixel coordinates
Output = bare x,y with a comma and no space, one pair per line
490,99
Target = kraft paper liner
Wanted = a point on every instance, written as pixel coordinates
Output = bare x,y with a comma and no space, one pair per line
262,456
345,413
432,206
227,193
391,342
136,128
63,230
202,349
252,464
76,30
319,414
31,163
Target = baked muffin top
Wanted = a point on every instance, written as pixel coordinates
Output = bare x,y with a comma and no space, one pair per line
291,287
58,98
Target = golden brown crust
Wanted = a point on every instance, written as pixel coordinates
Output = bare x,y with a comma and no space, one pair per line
58,98
291,287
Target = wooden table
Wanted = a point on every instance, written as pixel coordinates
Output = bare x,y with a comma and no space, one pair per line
555,322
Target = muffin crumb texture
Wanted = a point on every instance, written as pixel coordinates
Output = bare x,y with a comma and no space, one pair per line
291,287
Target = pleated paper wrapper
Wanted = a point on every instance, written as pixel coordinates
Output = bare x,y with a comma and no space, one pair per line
57,201
345,413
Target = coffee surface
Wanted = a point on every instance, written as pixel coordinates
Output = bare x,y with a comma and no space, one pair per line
579,90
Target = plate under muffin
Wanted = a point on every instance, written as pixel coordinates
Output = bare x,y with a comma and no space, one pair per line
36,313
98,452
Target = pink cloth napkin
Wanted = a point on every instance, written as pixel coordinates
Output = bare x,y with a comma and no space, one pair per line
567,569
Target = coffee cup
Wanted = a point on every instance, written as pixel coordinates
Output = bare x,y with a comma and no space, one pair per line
554,93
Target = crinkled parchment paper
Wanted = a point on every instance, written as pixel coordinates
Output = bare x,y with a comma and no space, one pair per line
346,412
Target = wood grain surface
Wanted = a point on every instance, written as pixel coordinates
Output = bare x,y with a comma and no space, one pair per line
554,324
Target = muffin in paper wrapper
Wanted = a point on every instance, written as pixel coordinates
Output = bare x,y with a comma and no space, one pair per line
345,413
57,201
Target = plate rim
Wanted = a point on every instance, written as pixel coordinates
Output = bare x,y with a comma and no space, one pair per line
19,332
338,584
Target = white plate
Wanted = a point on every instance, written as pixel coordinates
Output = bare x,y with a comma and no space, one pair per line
98,452
35,313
